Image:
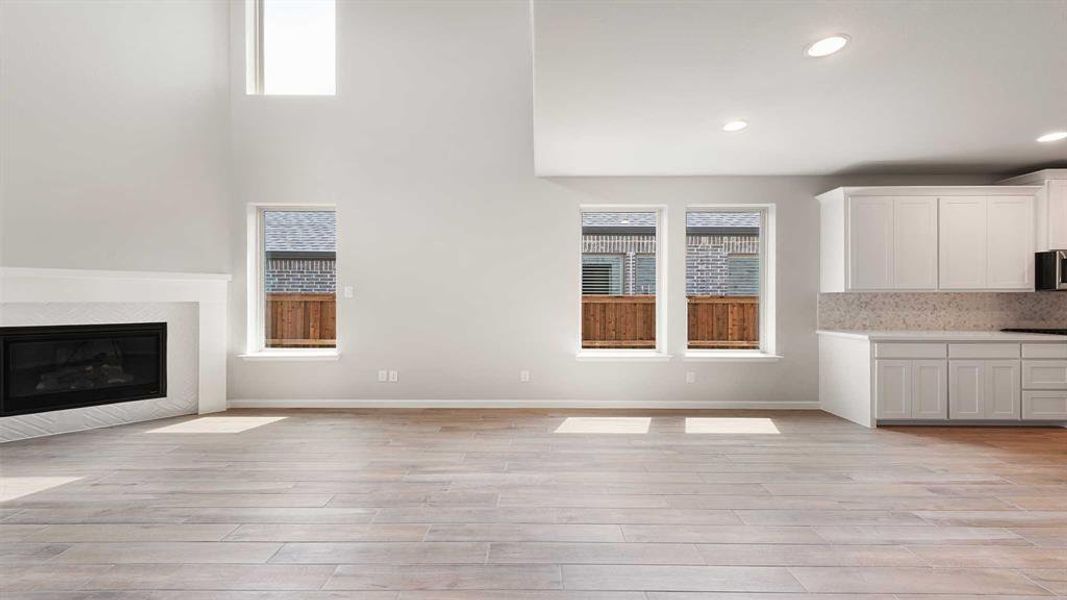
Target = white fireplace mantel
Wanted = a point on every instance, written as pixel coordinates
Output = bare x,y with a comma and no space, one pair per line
207,290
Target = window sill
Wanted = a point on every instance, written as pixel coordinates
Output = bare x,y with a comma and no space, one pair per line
622,355
730,356
293,354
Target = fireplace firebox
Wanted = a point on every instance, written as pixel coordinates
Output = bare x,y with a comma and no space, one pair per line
73,366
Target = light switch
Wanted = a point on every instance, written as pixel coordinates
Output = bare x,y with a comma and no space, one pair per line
383,375
393,377
350,291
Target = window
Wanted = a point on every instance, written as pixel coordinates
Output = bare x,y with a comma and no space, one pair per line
619,307
725,279
292,278
291,47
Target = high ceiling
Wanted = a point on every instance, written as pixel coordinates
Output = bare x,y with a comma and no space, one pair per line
643,88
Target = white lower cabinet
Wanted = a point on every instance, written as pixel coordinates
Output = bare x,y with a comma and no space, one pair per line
1045,405
929,397
911,389
893,383
1045,374
1003,398
954,379
966,389
984,389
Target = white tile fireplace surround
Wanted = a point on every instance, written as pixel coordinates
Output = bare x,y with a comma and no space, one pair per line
192,305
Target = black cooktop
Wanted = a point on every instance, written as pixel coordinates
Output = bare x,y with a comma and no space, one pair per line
1050,331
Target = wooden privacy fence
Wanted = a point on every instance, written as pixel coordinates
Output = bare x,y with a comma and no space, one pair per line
724,322
301,320
715,322
618,321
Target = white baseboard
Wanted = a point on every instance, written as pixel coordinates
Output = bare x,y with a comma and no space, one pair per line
473,403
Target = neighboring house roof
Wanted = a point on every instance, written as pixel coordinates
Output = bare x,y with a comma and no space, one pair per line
644,222
302,232
722,219
618,219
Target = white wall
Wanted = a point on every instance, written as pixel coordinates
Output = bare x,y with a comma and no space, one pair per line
465,264
117,154
114,119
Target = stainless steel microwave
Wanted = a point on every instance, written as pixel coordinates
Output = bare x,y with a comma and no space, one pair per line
1051,270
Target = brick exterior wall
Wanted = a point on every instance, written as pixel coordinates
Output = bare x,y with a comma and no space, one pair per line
618,244
300,275
715,265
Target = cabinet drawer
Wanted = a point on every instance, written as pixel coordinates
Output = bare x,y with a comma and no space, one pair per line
1050,405
1045,374
1044,350
907,350
983,350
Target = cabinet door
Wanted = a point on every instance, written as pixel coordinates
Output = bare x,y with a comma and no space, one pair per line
929,389
963,243
893,389
1010,251
1003,389
966,389
1056,215
915,243
870,243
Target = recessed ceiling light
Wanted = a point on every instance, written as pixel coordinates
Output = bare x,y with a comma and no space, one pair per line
827,46
732,126
1054,136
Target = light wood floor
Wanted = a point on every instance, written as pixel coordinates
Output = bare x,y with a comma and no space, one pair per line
464,504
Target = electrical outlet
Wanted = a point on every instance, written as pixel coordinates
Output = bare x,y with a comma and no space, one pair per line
383,375
350,291
394,377
524,376
690,377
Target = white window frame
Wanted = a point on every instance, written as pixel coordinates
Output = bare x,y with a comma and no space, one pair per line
254,61
255,336
254,47
659,353
768,292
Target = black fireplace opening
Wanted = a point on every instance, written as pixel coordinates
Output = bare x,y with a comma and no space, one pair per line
72,366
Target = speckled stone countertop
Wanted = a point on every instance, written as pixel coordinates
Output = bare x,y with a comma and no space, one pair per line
944,336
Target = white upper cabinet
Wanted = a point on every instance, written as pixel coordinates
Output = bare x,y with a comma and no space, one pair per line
1010,253
927,238
1056,211
1050,207
963,243
891,243
870,240
987,243
915,243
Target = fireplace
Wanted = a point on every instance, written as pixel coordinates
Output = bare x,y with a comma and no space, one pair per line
73,366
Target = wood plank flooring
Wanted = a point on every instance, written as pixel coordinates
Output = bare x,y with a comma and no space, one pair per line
488,504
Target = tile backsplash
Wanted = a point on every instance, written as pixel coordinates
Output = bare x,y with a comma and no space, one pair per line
942,311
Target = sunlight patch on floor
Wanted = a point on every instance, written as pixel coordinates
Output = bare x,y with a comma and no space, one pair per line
217,425
17,487
741,425
605,425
